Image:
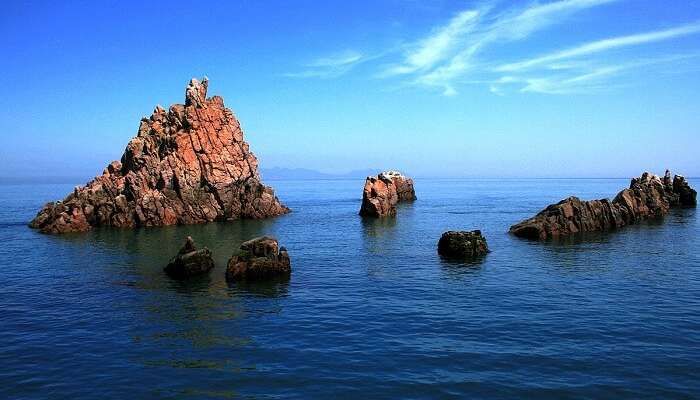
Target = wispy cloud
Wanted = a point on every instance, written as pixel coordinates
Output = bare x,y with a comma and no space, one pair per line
467,49
330,66
450,51
605,44
590,79
434,48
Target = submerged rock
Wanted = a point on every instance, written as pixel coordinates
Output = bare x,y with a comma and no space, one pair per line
186,165
383,192
259,258
190,262
647,197
462,244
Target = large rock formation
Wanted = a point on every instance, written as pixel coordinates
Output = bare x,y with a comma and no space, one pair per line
259,258
383,192
465,245
647,197
186,165
189,261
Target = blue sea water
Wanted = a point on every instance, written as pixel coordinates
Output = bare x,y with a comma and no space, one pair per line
370,311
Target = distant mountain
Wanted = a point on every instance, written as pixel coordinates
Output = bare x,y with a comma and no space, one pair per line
278,173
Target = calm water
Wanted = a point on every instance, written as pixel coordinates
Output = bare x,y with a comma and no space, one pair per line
370,311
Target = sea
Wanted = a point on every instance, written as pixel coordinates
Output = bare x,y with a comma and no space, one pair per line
371,311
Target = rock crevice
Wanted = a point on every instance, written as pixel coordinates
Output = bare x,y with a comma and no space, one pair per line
186,165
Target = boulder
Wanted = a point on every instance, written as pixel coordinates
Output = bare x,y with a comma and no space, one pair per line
190,262
383,192
462,244
259,258
647,197
187,165
687,196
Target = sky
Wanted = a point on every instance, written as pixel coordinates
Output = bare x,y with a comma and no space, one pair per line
566,88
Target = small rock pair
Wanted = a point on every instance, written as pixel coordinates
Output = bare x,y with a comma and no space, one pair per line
258,258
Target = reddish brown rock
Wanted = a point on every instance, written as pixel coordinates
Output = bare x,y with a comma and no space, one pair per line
186,165
383,192
259,258
647,197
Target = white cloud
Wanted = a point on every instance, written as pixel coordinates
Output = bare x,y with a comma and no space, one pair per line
449,52
590,79
605,44
337,60
330,66
457,53
438,45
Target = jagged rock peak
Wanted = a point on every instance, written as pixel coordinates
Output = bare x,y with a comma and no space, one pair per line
187,165
196,92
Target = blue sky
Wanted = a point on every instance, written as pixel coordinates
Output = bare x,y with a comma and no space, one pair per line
589,88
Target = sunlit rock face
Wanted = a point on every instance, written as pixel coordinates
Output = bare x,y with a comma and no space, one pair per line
186,165
648,196
381,193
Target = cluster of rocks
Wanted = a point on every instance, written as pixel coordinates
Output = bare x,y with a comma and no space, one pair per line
464,245
382,192
258,259
647,197
190,164
186,165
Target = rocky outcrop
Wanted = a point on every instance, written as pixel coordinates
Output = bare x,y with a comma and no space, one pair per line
383,192
186,165
462,245
190,262
259,258
647,197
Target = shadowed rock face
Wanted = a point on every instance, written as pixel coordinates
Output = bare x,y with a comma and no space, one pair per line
259,258
186,165
383,192
462,244
190,262
647,197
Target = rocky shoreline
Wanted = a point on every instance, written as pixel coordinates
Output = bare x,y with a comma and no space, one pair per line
647,197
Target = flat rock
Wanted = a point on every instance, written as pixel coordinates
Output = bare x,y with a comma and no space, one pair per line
258,259
381,194
186,165
462,244
647,197
190,262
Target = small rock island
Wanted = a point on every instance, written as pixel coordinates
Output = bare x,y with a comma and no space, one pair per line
382,192
464,245
647,197
258,259
189,261
186,165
